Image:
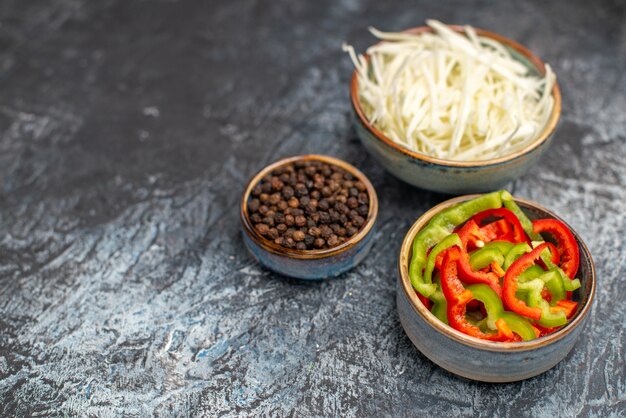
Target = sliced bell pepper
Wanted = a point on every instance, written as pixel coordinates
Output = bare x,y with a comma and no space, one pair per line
511,284
568,306
439,227
491,301
483,257
535,288
530,273
440,306
495,268
458,297
425,301
554,284
550,317
530,291
498,230
510,219
437,253
503,246
566,243
509,203
515,253
504,330
465,271
547,258
470,235
495,312
543,331
519,325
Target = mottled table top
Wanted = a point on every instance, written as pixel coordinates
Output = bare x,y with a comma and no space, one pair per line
127,133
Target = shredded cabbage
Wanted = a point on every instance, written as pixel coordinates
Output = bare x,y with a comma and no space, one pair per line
451,96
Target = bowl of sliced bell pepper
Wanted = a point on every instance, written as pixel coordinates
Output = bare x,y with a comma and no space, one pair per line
494,288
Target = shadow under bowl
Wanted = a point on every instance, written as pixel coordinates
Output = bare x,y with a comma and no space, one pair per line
478,359
449,176
310,264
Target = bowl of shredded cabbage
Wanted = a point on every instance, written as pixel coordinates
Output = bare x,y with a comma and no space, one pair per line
453,108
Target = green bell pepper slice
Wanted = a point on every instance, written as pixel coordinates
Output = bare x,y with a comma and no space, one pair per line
519,325
514,253
440,304
489,298
530,273
550,319
495,311
569,284
554,284
483,257
447,242
546,257
503,246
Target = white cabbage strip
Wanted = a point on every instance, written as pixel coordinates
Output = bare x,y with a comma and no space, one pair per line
450,96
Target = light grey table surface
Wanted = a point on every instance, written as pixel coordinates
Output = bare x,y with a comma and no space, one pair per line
127,133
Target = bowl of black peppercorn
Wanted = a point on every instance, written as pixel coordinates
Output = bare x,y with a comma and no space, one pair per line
309,216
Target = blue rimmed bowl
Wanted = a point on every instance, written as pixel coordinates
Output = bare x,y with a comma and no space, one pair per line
310,264
478,359
449,176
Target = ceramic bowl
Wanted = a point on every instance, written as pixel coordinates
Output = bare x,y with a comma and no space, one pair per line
484,360
449,176
310,264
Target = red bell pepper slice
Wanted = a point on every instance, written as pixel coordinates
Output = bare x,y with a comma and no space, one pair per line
544,331
458,297
568,306
566,243
517,231
499,230
425,301
471,231
510,281
470,234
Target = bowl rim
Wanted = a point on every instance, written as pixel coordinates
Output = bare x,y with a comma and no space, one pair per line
543,136
446,330
274,248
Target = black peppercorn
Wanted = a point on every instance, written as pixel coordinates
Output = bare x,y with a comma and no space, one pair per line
298,236
253,205
315,232
300,220
262,229
301,190
324,218
293,202
287,192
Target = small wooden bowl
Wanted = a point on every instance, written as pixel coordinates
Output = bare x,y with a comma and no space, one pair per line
449,176
478,359
310,264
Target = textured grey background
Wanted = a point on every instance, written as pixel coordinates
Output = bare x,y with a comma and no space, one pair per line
127,132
